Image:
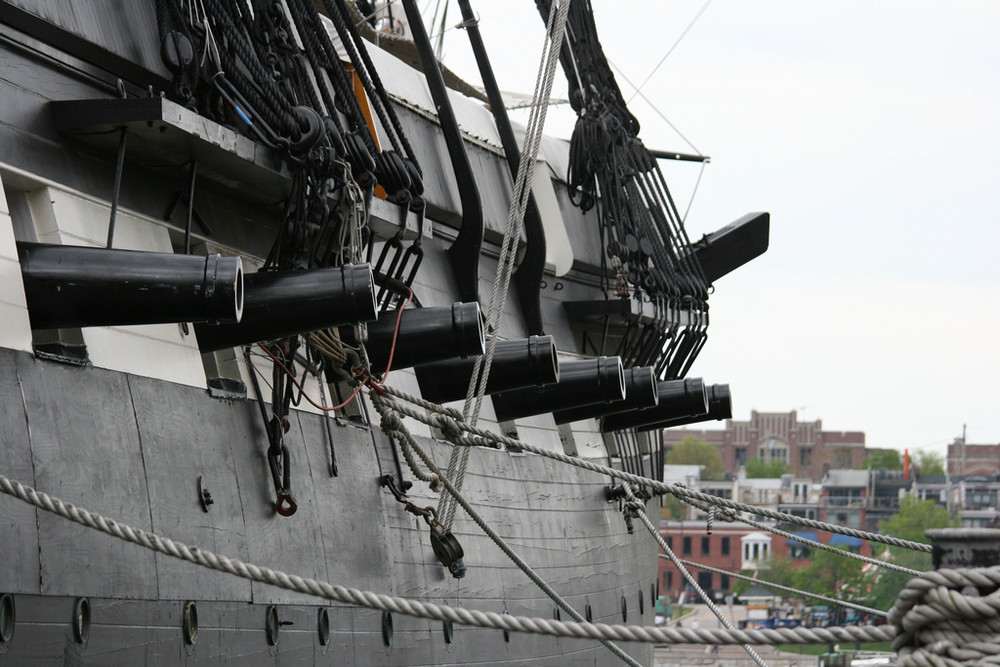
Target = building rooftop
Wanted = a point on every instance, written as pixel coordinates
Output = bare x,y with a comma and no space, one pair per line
846,478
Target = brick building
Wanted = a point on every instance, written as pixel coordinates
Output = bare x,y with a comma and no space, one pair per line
804,446
734,547
973,460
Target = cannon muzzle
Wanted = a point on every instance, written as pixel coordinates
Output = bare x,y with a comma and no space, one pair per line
720,406
76,286
517,364
426,335
286,303
677,399
586,382
640,393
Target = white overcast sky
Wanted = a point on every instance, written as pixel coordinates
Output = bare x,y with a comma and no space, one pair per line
870,130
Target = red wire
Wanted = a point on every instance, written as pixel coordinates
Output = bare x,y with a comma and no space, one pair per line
395,333
392,352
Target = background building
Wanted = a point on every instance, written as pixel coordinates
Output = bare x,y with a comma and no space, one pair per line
808,450
973,460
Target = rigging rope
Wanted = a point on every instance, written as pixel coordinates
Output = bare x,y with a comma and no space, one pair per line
787,589
471,617
640,511
512,235
494,440
392,423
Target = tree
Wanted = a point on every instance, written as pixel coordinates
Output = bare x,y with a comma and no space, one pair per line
883,459
909,523
695,451
758,468
930,463
775,569
833,575
672,507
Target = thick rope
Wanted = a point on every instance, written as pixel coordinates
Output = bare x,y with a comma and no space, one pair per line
787,589
682,492
471,617
640,511
391,423
512,235
949,618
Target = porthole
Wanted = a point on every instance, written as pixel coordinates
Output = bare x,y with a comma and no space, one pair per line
588,613
642,605
7,617
189,623
323,626
624,610
556,614
449,631
652,594
387,628
81,620
272,625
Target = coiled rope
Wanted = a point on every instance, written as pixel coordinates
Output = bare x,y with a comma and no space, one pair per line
949,618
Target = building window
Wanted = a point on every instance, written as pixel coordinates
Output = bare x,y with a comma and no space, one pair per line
670,543
798,551
725,549
805,457
670,581
705,546
705,581
741,456
724,583
686,549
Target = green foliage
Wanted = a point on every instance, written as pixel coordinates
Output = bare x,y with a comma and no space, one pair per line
775,569
833,575
883,459
930,463
695,451
758,468
909,523
672,507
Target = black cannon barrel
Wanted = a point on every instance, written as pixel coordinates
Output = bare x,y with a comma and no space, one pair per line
517,364
586,382
76,286
720,406
678,398
426,335
640,393
286,303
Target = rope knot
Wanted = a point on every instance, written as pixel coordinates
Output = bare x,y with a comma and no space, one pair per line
435,483
391,421
449,427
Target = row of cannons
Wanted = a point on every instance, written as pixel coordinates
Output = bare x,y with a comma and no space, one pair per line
69,286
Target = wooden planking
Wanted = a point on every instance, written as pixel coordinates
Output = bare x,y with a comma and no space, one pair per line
85,450
351,541
292,543
20,571
184,438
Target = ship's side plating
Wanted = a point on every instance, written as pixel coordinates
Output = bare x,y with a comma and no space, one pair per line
135,435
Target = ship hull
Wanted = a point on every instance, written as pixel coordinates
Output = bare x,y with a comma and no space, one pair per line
134,449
